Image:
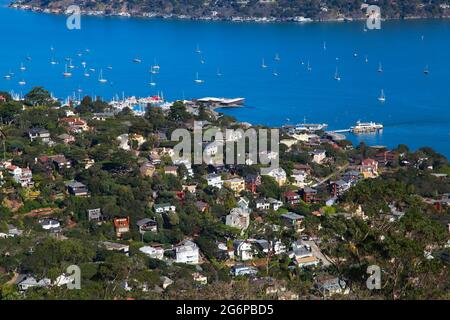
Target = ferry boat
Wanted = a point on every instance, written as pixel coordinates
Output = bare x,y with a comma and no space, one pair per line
366,127
310,127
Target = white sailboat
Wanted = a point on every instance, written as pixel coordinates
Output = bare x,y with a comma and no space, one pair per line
197,49
152,83
202,61
22,83
426,70
263,64
66,73
367,59
382,97
53,62
100,78
337,77
277,57
218,73
137,60
22,67
197,80
7,76
275,73
71,66
86,74
380,68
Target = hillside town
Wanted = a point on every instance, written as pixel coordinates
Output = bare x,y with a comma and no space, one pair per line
95,185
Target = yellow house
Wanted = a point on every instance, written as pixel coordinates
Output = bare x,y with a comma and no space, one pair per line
235,184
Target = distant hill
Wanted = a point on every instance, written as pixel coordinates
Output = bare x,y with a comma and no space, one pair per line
246,9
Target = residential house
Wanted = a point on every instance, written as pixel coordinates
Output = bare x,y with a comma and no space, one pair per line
235,184
39,134
238,218
50,224
75,125
121,225
187,252
338,187
294,220
164,208
95,214
243,250
386,158
200,279
66,138
147,225
155,252
12,232
252,181
202,206
318,156
262,204
77,189
114,246
25,282
329,286
147,169
214,180
303,255
241,270
292,198
309,195
171,170
279,175
299,177
192,188
369,168
21,176
275,204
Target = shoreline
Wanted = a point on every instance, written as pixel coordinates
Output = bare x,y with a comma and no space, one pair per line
154,16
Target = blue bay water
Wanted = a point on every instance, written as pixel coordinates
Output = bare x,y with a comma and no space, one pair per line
417,110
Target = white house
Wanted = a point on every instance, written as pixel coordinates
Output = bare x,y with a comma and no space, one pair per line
153,252
187,252
214,180
50,224
164,208
238,218
299,177
243,250
318,156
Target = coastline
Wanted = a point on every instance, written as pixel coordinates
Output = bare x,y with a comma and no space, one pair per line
155,15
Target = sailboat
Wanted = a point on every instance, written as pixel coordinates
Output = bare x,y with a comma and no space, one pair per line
367,59
83,63
218,73
263,64
277,57
197,80
337,77
22,83
71,66
197,49
86,74
7,76
324,46
275,73
380,68
152,83
202,61
53,62
29,57
137,60
382,97
100,78
22,67
426,70
66,73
